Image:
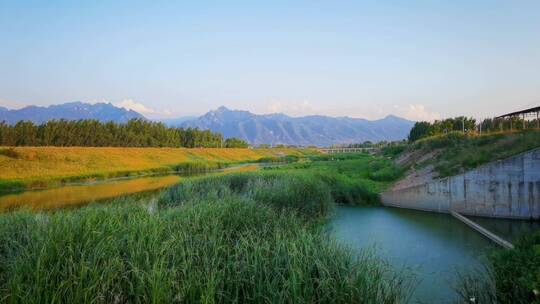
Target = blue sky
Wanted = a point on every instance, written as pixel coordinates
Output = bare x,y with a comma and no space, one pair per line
417,59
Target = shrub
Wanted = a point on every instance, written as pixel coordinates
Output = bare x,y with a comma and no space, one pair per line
517,272
301,192
10,152
390,173
512,276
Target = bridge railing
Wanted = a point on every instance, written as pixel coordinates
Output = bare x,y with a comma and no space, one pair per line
347,150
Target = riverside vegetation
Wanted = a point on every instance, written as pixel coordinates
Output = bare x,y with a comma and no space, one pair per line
456,152
511,276
254,237
28,167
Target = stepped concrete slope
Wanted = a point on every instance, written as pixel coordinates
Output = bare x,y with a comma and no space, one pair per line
508,188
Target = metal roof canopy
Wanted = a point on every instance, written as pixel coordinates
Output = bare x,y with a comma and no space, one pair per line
523,112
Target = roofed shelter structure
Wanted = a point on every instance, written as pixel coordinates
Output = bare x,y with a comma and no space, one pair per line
527,113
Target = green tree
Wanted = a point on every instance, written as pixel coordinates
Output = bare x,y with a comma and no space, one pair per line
420,129
235,143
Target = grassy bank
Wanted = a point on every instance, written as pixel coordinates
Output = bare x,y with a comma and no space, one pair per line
513,276
312,188
455,152
22,167
252,237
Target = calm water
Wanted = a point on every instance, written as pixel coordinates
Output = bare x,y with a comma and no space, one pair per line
78,195
82,194
433,246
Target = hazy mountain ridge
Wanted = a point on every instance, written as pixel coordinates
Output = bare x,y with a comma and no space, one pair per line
308,130
274,128
70,111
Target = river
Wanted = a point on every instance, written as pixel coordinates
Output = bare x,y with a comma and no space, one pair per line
432,246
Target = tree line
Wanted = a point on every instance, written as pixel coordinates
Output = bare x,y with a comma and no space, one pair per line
423,129
94,133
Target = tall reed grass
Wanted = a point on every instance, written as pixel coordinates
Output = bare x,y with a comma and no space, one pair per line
512,276
234,250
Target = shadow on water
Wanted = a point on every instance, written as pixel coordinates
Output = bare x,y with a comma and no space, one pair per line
434,246
509,230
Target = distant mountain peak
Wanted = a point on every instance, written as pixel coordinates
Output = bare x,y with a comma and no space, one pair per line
222,109
70,111
320,130
392,116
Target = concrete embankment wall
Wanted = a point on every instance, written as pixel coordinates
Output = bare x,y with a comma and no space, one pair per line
508,188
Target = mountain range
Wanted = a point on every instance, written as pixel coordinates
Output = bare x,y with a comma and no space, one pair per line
256,129
70,111
308,130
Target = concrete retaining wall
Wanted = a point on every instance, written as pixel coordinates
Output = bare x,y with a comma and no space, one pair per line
507,188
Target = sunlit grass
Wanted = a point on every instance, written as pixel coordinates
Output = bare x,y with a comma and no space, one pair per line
42,166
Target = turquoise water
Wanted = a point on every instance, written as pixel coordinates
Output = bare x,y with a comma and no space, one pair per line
432,246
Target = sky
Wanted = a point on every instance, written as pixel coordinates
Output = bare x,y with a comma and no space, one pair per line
421,60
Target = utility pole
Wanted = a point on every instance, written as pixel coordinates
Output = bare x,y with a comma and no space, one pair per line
481,121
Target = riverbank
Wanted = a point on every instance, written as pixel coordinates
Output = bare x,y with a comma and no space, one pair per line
42,167
248,237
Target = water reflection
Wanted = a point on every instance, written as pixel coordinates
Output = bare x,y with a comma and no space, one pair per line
82,194
509,230
72,196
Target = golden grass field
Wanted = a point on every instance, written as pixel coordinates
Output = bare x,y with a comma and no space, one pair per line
41,165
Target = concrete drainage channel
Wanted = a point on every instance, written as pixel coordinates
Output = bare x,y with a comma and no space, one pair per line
490,235
507,188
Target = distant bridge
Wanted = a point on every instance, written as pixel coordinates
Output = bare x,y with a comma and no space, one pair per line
347,150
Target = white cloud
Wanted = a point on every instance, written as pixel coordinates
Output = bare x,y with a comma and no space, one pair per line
11,104
294,108
130,104
419,112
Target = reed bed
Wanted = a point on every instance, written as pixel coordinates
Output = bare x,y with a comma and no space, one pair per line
234,250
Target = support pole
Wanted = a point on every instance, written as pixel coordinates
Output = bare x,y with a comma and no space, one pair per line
510,123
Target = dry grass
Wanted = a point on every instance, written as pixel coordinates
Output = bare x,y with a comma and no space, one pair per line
35,165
